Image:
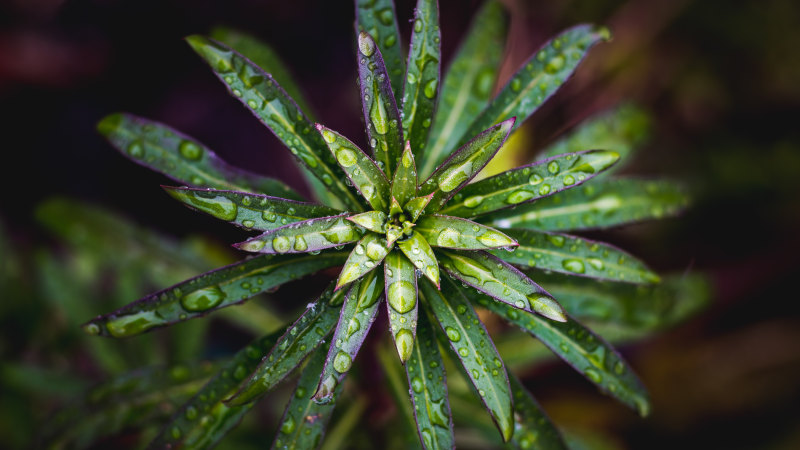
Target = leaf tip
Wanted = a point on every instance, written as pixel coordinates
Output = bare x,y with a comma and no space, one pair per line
109,123
366,45
91,328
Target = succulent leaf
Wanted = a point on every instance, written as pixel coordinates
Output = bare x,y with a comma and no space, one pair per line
378,18
417,205
404,183
401,301
420,253
371,220
532,424
458,233
367,254
312,235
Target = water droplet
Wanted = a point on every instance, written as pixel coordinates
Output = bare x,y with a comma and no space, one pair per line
366,45
569,180
203,299
342,362
386,16
402,296
452,334
473,201
288,425
281,244
596,263
555,64
404,341
300,244
416,385
190,150
219,207
516,85
448,237
191,413
494,239
269,216
248,223
430,88
417,25
463,351
553,167
136,150
573,265
346,157
535,179
547,307
556,240
593,375
544,189
454,176
519,196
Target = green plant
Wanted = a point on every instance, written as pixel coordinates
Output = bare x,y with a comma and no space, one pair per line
435,249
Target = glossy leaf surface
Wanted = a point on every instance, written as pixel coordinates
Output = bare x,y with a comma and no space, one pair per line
367,254
310,235
371,220
528,183
420,253
378,18
417,205
458,233
404,183
401,301
532,426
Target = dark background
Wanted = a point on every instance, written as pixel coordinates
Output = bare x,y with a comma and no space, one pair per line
721,78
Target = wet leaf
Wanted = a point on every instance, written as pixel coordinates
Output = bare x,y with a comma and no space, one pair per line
420,253
181,158
401,301
404,183
600,204
417,205
208,292
249,211
312,235
531,424
371,220
378,18
474,349
367,254
525,184
458,233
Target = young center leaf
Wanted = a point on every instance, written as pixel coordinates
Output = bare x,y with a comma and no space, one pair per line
367,254
420,253
404,183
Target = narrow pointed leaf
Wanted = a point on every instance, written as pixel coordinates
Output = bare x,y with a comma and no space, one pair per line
304,419
458,233
208,292
381,115
355,320
417,205
205,419
575,256
532,424
310,235
421,89
368,253
600,204
428,389
468,83
501,281
359,168
378,18
464,164
539,77
404,183
181,158
474,349
622,130
267,100
250,211
302,337
588,353
371,220
401,301
420,253
528,183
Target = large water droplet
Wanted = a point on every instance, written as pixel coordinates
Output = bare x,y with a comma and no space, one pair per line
366,45
448,237
555,64
453,177
203,299
281,244
574,265
346,157
494,239
473,201
416,385
342,362
190,150
402,296
300,244
519,196
430,88
404,341
288,425
452,334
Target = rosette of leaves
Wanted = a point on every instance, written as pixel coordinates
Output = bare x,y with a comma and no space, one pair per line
411,231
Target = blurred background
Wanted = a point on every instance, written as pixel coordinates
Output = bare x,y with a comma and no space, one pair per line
719,80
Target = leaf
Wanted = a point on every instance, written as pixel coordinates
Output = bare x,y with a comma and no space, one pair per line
463,165
249,211
529,183
588,353
502,281
359,168
538,78
308,236
428,390
458,233
355,320
404,183
381,115
267,100
621,129
420,253
600,204
302,337
181,158
372,220
401,301
368,253
532,426
474,349
467,84
421,90
417,205
211,291
575,256
378,18
304,419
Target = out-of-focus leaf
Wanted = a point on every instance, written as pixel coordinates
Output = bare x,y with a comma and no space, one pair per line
368,253
401,301
420,253
531,424
404,183
308,236
457,233
378,18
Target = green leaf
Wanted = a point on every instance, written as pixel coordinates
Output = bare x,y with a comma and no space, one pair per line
289,351
502,281
588,353
362,171
181,158
464,164
355,320
474,349
372,220
528,183
532,426
468,83
217,289
401,301
304,419
368,253
404,183
621,129
378,103
420,253
421,89
249,211
308,236
538,78
417,205
575,255
260,93
378,18
428,389
600,204
458,233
